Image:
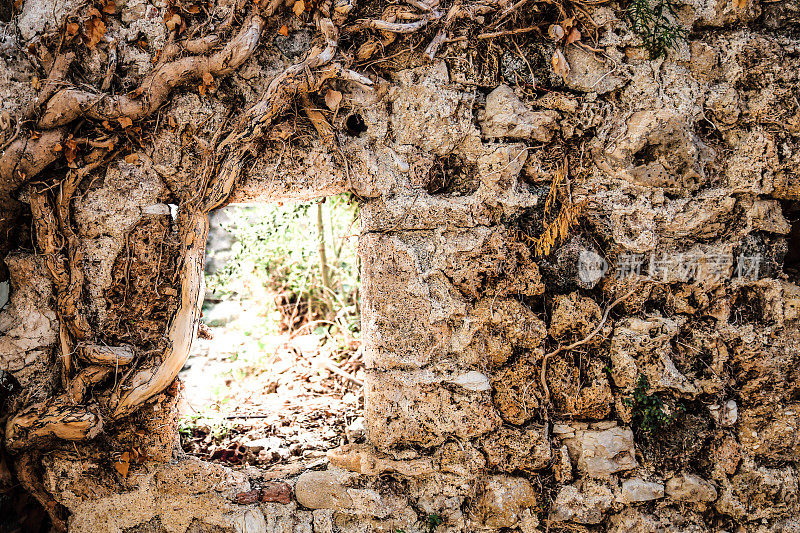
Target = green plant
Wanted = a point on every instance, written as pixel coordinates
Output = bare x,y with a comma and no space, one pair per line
432,522
655,22
302,254
647,410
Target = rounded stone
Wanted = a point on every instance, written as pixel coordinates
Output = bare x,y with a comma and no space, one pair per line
321,490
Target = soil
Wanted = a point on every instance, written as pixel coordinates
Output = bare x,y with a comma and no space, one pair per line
270,400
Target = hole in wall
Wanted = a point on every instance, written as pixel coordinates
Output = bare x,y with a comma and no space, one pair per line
275,380
355,125
791,261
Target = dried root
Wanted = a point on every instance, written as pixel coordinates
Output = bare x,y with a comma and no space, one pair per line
152,379
69,104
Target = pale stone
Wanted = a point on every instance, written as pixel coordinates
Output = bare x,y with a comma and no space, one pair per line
690,488
589,73
507,117
502,500
585,505
364,459
321,490
601,453
726,414
638,490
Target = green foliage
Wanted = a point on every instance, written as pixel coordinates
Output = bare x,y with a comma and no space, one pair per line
647,410
432,522
655,22
276,253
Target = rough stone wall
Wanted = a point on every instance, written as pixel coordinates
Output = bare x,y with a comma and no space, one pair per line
481,409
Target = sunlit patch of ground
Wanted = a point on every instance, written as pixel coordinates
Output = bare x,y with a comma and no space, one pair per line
279,401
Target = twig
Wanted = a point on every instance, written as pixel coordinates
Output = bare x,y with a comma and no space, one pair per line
584,340
507,12
395,27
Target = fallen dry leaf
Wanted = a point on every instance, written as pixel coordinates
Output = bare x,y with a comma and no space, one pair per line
94,29
208,78
332,99
173,22
123,464
125,122
131,158
36,82
556,32
299,7
573,36
72,28
559,64
110,8
284,30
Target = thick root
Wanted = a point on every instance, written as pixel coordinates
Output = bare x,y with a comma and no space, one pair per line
56,418
69,104
106,355
157,376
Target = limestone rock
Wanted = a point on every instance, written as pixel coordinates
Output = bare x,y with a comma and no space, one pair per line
574,317
507,117
690,488
600,453
584,503
638,490
364,459
321,490
591,74
562,469
420,407
501,501
510,449
725,415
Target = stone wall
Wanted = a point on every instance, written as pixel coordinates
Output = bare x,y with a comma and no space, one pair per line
506,390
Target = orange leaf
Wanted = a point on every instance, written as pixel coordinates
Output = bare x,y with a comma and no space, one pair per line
123,464
174,21
201,89
299,7
93,12
95,29
555,31
131,158
208,79
284,30
36,82
560,65
171,122
573,36
58,147
125,122
193,9
332,99
110,7
72,28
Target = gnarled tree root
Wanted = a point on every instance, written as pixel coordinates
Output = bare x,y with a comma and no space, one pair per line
154,378
58,418
106,355
69,104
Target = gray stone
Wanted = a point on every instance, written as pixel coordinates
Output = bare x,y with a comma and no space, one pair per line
507,117
638,490
321,490
585,504
601,453
690,488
